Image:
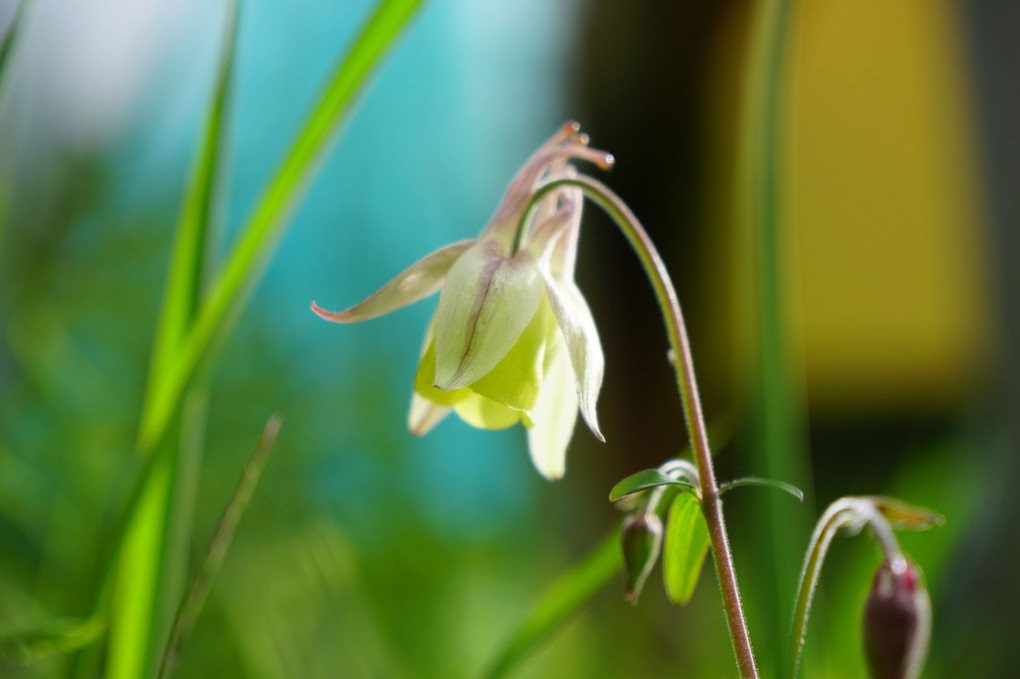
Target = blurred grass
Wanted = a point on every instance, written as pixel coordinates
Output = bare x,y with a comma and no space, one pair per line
557,604
7,42
187,328
143,579
776,404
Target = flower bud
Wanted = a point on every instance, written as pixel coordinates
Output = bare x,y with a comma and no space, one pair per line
897,621
641,540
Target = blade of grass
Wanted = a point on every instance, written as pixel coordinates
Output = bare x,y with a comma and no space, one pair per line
190,247
7,42
193,603
173,367
9,39
561,601
265,224
777,410
158,531
55,638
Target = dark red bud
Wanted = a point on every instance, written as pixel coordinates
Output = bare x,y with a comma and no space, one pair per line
641,541
897,621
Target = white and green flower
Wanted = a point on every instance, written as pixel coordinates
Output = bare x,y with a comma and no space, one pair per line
513,339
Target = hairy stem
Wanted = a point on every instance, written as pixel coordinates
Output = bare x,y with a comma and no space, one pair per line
688,388
852,513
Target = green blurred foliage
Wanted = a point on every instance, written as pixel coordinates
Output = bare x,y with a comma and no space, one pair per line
358,557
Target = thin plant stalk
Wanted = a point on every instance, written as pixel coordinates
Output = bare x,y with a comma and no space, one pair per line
193,603
688,389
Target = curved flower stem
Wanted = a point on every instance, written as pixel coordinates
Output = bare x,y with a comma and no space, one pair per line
688,388
847,512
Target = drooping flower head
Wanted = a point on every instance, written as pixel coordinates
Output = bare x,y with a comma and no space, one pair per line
512,339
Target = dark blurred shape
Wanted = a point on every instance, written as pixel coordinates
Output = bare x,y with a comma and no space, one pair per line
983,607
641,540
897,621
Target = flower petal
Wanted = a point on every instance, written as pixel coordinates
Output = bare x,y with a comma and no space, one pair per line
416,282
582,340
425,378
555,413
484,413
487,301
424,414
517,379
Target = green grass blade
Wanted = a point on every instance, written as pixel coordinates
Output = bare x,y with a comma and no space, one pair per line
9,39
558,604
55,638
190,248
163,505
265,224
7,42
777,416
219,545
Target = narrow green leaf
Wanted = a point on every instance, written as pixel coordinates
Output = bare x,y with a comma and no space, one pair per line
643,480
184,279
558,604
759,481
263,227
55,638
193,603
685,548
9,39
7,42
149,547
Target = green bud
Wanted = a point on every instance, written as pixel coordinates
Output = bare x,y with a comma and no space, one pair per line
641,540
897,621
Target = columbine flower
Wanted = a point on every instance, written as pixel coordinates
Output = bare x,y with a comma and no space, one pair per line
512,339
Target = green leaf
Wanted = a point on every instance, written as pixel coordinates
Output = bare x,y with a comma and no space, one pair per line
7,42
148,550
58,637
184,280
193,603
263,227
643,480
759,481
9,38
685,548
561,601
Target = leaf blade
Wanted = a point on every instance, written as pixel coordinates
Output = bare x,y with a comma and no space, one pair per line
685,548
760,481
558,604
264,225
643,480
